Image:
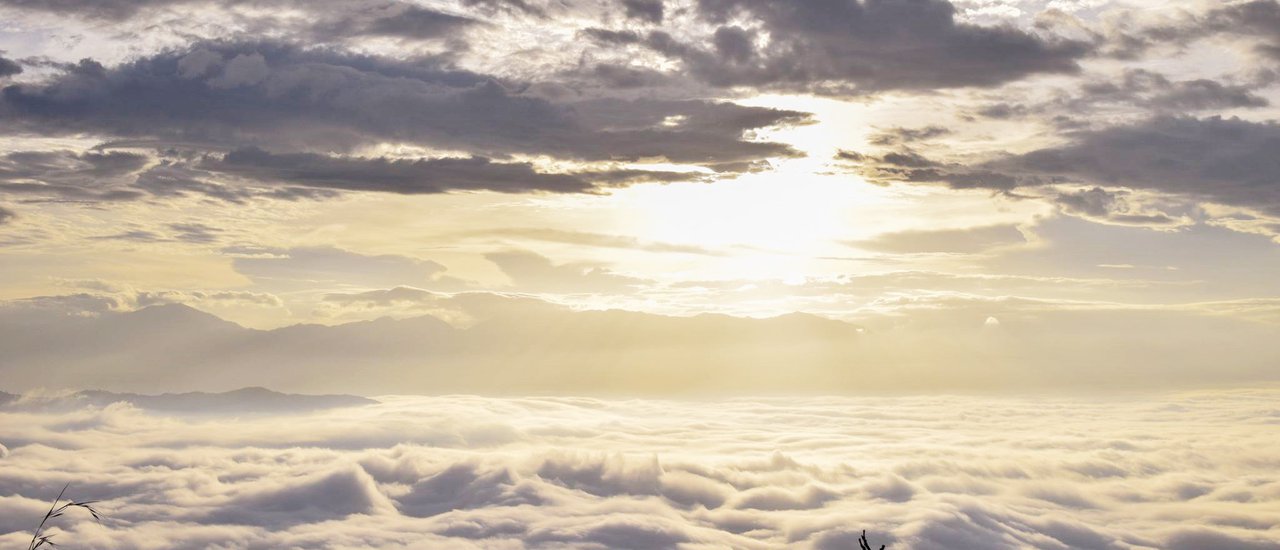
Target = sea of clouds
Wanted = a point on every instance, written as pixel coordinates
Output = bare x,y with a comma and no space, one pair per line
1175,471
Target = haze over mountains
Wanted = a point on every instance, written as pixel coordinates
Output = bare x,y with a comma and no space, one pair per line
516,345
238,402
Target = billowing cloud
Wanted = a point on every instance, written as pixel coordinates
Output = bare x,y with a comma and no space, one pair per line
464,472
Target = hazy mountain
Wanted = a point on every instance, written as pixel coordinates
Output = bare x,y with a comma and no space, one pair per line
517,346
178,348
244,400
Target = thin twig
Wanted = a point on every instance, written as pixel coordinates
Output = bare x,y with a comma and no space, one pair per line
863,544
39,539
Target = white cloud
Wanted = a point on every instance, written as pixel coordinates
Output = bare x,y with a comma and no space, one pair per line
1193,470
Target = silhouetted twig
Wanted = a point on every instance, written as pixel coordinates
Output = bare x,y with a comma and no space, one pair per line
39,539
863,544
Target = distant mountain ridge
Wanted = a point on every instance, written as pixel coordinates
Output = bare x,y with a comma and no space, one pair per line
522,348
244,400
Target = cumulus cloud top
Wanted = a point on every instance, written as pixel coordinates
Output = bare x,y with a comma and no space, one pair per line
1190,470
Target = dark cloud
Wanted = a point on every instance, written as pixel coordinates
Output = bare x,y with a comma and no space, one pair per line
397,21
850,156
245,174
1112,206
620,76
68,175
180,176
1223,160
908,166
1154,91
281,97
9,67
855,47
511,6
97,176
1137,89
91,9
1256,19
136,235
644,10
6,215
196,233
421,176
396,176
899,135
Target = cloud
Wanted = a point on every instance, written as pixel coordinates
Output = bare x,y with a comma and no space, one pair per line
1225,160
396,176
68,175
485,472
651,11
908,166
307,265
1253,19
315,498
1137,89
106,9
899,135
530,271
1213,160
415,22
962,241
9,67
854,47
282,98
586,238
6,215
1112,207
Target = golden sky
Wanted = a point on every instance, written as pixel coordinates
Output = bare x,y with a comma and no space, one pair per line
1095,180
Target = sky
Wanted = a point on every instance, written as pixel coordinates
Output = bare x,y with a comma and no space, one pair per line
588,274
639,196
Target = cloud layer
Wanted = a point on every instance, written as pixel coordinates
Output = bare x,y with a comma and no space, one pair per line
1182,472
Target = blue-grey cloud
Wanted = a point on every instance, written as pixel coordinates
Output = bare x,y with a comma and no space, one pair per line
854,47
286,99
